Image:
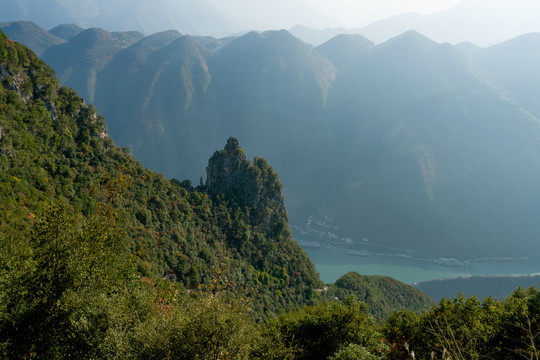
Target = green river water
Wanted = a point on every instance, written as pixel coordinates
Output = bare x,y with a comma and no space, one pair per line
332,261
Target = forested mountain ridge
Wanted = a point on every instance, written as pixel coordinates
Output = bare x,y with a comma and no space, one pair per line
54,148
382,294
195,17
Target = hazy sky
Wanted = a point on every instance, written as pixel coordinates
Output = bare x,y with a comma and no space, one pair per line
354,13
323,13
482,22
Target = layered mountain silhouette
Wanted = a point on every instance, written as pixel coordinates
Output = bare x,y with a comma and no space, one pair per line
86,54
31,35
66,31
161,85
434,149
481,22
190,16
512,65
411,144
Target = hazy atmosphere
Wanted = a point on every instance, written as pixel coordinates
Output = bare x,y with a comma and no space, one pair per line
323,13
304,178
481,22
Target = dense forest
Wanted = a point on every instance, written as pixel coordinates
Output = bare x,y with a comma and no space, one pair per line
103,258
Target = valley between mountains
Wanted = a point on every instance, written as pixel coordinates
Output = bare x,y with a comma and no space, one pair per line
414,145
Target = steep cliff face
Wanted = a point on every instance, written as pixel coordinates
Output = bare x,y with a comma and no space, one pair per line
254,185
258,227
230,172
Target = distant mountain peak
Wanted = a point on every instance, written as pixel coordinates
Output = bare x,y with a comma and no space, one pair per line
97,35
354,39
318,37
410,37
154,41
33,36
165,33
91,34
185,46
344,50
66,31
269,44
409,42
278,33
188,39
522,42
284,36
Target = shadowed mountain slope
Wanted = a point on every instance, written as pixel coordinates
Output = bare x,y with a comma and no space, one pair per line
440,147
85,55
161,88
513,67
31,35
344,50
187,16
66,31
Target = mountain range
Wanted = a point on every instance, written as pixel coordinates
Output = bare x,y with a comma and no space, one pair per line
478,21
412,144
61,174
481,22
194,17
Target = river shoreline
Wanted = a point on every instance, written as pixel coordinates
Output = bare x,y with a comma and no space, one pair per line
334,258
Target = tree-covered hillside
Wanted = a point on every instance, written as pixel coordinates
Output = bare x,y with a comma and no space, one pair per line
54,149
382,294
